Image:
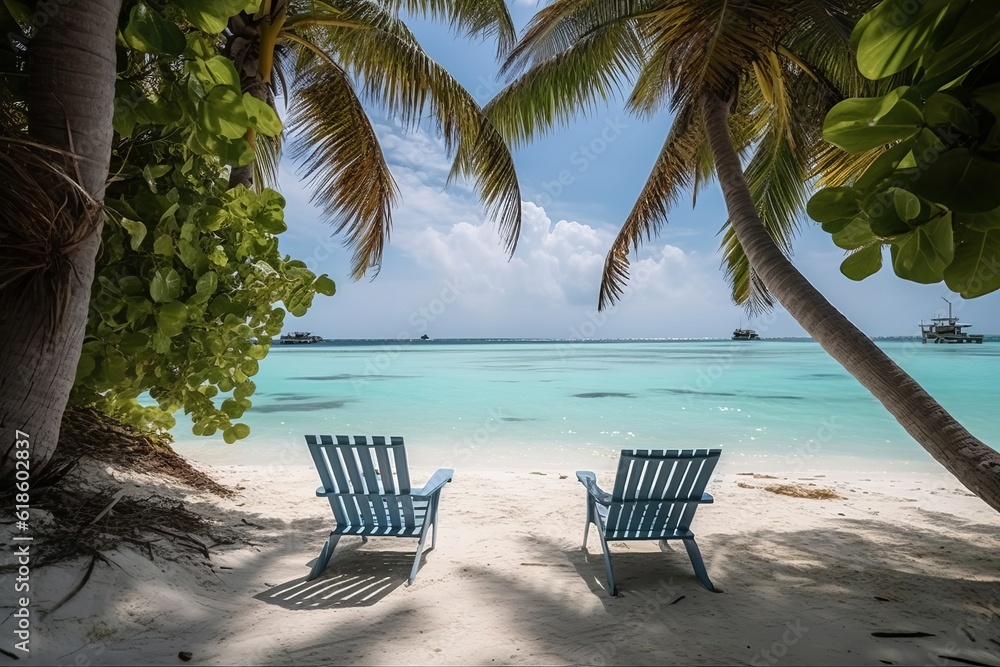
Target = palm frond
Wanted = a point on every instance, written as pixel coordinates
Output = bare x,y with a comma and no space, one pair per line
478,18
746,286
267,159
341,155
820,37
786,136
485,158
681,160
401,78
835,167
593,70
563,24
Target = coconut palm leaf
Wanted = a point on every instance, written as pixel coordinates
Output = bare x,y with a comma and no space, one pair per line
401,78
683,160
478,18
580,78
786,62
324,56
562,25
267,158
341,155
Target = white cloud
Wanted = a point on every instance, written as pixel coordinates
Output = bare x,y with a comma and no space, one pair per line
442,245
556,274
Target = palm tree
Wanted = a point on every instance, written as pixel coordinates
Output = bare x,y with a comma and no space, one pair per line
741,76
314,51
51,185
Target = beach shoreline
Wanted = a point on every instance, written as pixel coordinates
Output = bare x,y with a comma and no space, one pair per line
805,581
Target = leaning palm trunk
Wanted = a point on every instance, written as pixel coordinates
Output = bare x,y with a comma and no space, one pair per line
71,64
974,463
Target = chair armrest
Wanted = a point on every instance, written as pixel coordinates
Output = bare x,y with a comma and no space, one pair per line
322,492
589,480
434,484
707,498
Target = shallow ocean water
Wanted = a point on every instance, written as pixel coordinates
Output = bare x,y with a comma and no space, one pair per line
493,404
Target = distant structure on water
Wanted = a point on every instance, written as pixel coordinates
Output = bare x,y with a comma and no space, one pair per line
745,334
425,337
947,330
300,338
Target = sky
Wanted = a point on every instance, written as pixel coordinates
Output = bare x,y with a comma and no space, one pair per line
445,272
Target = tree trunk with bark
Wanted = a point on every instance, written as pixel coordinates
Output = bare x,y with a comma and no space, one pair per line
975,464
71,66
243,48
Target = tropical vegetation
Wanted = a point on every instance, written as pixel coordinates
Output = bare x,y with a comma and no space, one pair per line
931,194
325,58
755,76
188,254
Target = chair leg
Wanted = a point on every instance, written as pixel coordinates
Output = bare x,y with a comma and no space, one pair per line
586,527
699,565
420,552
612,589
324,557
434,537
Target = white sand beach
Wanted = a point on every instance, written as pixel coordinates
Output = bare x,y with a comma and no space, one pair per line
804,581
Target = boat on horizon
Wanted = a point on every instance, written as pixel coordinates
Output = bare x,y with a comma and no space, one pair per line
300,338
947,330
745,334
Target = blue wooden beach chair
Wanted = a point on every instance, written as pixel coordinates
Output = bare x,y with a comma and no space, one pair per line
655,496
368,486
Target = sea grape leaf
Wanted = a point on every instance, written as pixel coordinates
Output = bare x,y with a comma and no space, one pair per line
894,34
988,97
865,262
215,71
884,166
149,32
927,148
984,222
905,203
833,204
854,235
975,269
971,42
136,231
262,117
165,285
962,181
324,285
923,254
861,123
212,17
172,318
222,112
942,109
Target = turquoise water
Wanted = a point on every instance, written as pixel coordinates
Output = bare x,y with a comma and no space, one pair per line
782,404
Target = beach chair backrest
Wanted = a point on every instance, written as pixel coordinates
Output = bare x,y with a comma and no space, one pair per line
659,489
367,483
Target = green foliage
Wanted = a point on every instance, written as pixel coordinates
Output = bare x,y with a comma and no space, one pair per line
933,195
213,16
183,304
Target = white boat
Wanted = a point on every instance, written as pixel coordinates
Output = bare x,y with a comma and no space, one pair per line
300,338
947,330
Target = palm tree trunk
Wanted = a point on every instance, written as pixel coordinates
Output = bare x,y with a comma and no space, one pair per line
251,45
243,48
975,464
71,63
